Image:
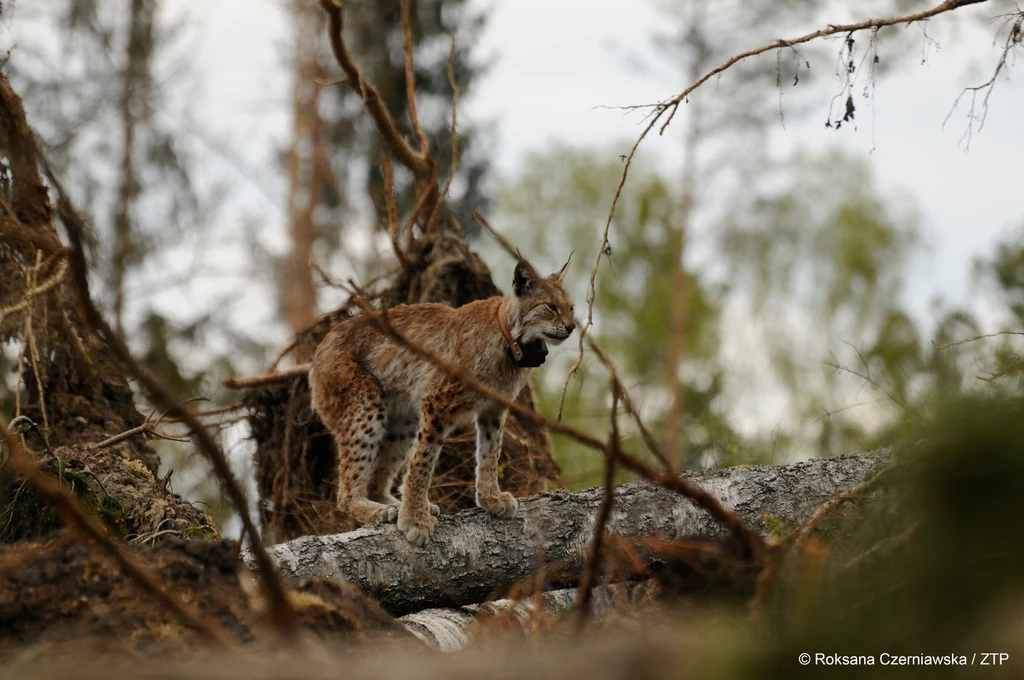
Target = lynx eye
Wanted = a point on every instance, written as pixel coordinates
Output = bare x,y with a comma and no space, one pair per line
553,308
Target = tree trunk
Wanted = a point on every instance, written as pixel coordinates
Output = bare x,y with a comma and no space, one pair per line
71,384
448,630
303,172
474,555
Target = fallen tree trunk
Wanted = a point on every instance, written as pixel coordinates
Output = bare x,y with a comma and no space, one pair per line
448,630
474,556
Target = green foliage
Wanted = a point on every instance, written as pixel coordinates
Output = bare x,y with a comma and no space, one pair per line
926,559
570,188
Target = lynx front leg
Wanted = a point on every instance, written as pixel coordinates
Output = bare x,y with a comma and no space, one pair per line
489,496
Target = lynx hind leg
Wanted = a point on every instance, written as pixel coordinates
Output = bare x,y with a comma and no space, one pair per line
396,450
351,404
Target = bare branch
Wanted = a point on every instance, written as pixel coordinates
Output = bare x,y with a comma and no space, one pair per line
410,79
672,106
593,566
392,205
418,163
649,440
502,241
267,378
974,339
432,220
1013,39
281,610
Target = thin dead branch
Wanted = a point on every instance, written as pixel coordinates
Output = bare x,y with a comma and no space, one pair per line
418,163
593,566
54,279
671,106
454,166
280,608
1013,39
267,378
871,381
410,79
645,434
502,241
392,205
969,340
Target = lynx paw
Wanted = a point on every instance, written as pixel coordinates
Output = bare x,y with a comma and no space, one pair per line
418,531
370,514
503,505
435,509
388,515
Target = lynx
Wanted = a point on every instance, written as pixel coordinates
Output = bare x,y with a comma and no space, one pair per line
387,406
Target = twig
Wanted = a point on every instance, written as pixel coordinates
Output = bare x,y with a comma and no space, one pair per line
868,379
800,534
410,79
392,205
30,340
502,241
55,278
75,515
417,162
593,565
267,378
672,104
1013,39
454,165
649,440
281,610
974,339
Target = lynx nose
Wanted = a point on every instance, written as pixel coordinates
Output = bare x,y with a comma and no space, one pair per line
570,327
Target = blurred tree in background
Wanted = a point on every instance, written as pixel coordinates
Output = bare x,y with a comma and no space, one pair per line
334,160
106,84
565,187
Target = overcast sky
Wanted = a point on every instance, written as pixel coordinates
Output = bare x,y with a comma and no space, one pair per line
554,61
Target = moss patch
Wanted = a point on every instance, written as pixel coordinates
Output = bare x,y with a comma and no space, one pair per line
24,514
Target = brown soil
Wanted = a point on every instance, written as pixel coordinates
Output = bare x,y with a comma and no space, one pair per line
61,595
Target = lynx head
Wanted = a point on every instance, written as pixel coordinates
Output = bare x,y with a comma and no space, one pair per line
543,310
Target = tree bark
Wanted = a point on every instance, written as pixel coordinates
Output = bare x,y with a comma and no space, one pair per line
473,555
448,629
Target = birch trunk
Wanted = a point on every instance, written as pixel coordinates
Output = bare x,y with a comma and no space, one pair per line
474,556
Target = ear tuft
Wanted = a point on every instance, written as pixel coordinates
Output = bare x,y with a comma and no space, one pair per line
561,272
524,278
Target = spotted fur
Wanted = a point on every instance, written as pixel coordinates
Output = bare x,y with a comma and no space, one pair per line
386,406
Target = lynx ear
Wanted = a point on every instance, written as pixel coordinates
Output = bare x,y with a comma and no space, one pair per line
524,279
561,272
